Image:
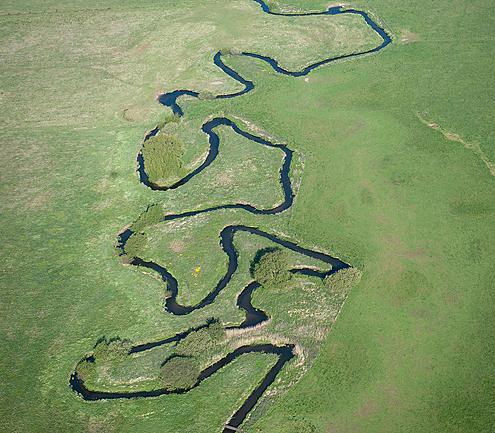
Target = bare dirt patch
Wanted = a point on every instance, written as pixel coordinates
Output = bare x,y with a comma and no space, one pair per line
367,409
225,179
142,48
38,201
408,37
177,246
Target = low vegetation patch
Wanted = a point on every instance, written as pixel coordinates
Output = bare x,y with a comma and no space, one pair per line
206,95
114,348
201,341
300,426
231,51
169,120
85,369
273,5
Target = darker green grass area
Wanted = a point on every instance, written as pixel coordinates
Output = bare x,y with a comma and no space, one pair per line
341,282
163,158
136,244
179,372
270,267
151,216
201,341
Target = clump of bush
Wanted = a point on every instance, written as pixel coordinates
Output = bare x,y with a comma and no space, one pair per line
341,282
182,369
179,372
151,216
115,348
202,340
136,244
270,267
163,158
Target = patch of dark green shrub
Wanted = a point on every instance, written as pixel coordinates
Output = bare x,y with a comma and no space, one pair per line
270,267
341,282
163,158
136,244
114,348
202,340
151,216
179,372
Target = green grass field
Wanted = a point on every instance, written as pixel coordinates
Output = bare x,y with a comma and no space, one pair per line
393,170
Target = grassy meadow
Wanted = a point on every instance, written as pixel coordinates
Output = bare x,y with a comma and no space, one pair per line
392,174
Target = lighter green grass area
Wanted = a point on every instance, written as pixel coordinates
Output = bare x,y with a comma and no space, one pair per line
411,350
127,55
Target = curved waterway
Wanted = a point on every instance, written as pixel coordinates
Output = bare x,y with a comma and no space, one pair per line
253,315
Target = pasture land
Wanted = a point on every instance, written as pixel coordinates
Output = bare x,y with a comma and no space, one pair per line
382,182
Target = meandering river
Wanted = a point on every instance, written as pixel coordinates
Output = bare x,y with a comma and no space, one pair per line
254,316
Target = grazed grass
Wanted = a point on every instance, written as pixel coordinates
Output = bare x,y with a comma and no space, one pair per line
411,349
